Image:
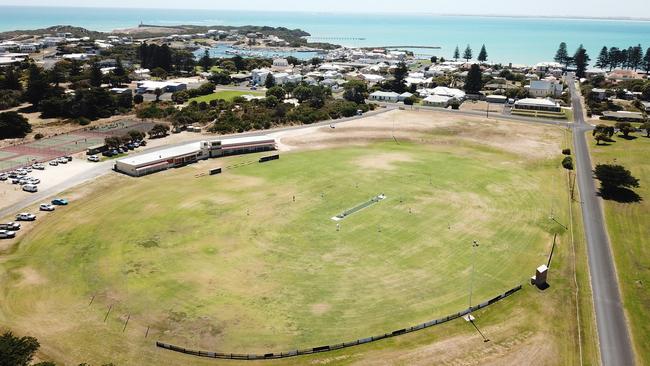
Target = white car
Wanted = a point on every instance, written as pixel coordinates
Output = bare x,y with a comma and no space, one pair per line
38,166
25,217
11,226
62,160
46,207
32,188
33,180
6,234
53,163
93,158
4,177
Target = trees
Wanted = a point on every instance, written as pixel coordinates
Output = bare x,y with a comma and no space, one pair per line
456,54
603,58
205,62
15,351
276,91
562,55
158,130
159,72
96,76
13,125
301,92
645,65
11,79
158,92
482,55
355,91
400,73
613,178
138,98
474,80
625,128
37,85
581,60
467,55
269,82
635,57
615,58
220,78
434,59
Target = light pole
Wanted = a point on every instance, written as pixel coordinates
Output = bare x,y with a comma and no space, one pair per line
557,222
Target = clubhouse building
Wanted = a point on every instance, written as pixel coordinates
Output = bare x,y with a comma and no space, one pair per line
177,156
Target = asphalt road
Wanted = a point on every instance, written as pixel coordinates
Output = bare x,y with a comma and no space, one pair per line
613,335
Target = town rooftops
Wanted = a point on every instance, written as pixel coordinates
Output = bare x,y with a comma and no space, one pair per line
384,94
623,115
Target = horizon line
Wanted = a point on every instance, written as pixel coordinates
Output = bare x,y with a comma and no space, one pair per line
491,15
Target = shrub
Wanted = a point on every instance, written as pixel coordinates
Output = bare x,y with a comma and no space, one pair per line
13,125
38,136
567,163
566,151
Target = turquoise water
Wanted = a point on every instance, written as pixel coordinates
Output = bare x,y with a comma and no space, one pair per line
517,40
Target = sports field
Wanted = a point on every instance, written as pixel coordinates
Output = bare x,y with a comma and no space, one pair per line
233,263
227,95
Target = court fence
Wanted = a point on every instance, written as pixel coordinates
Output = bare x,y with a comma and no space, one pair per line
326,348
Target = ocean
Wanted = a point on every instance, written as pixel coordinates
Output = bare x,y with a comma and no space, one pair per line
507,39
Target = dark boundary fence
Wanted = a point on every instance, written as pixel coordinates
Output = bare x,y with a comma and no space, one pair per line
308,351
264,159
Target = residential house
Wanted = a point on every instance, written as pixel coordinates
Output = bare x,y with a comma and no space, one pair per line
436,101
381,96
532,104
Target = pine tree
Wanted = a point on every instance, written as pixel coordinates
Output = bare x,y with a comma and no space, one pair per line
562,56
456,54
206,61
614,58
603,58
581,60
646,61
11,80
96,76
467,55
624,58
37,85
635,56
482,55
474,80
270,81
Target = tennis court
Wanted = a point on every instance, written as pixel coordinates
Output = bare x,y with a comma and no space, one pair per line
49,148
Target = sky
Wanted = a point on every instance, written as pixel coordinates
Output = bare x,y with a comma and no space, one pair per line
568,8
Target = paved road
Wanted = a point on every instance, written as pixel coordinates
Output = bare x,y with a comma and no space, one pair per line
613,336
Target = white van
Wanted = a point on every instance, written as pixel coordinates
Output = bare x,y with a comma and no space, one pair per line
30,188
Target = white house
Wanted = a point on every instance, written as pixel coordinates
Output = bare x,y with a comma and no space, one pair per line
532,104
258,76
545,88
382,96
436,101
404,96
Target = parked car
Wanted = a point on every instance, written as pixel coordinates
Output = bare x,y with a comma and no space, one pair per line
53,163
15,180
130,146
62,160
33,180
107,153
38,166
4,176
68,157
60,201
25,217
32,188
93,158
143,143
136,144
11,226
46,207
6,234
